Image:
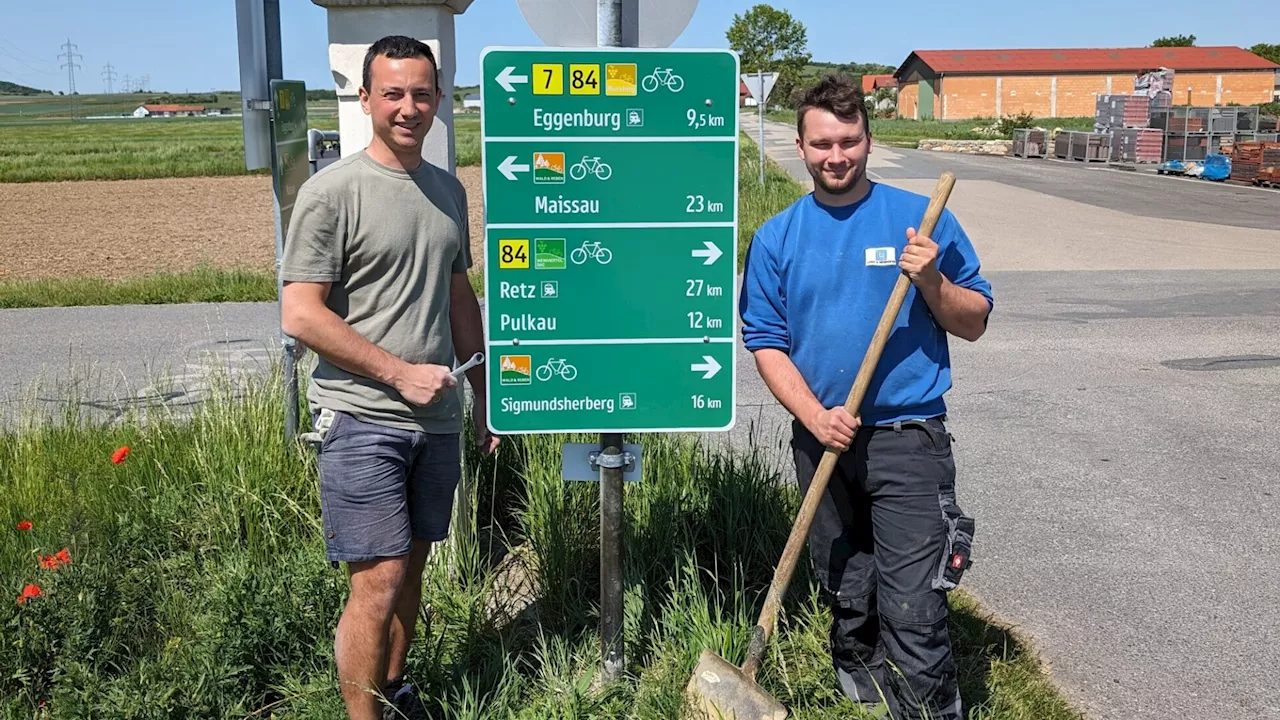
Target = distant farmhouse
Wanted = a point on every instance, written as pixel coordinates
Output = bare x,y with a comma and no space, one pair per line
471,102
962,84
149,110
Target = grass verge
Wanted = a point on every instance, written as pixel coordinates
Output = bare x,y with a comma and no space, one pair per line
197,585
757,203
203,284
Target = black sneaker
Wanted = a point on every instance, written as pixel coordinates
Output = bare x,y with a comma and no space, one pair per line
403,702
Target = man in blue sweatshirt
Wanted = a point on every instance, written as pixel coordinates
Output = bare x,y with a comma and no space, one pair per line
888,541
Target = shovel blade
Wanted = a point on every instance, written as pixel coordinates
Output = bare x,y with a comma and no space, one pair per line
719,691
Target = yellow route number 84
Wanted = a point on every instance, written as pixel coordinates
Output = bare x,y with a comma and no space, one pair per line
513,254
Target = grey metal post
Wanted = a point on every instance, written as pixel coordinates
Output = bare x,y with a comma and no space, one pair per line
760,107
275,71
612,642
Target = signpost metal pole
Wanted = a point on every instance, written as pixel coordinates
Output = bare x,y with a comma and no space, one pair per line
760,107
275,71
612,642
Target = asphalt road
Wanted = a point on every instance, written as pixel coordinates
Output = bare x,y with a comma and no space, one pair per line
1139,192
108,360
1116,428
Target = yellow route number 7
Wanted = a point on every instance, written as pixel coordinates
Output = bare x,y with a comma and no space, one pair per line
548,79
513,254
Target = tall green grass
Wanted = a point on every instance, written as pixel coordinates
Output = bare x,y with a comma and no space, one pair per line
466,130
198,587
202,284
757,203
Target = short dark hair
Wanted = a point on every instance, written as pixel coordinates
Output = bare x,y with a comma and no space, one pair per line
398,47
838,94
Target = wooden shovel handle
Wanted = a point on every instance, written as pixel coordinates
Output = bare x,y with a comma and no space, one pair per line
800,530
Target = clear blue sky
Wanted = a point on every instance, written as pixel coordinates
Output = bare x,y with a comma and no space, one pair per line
191,46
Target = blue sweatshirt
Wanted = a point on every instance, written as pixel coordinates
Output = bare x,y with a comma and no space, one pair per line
817,280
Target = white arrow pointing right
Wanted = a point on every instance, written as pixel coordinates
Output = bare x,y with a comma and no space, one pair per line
509,81
709,367
712,253
509,169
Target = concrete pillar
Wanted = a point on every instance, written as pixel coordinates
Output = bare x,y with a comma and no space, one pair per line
999,97
1053,97
354,25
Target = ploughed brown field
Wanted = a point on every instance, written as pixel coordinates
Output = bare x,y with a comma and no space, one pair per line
125,228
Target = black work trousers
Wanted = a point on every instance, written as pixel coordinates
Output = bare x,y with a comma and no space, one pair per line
884,546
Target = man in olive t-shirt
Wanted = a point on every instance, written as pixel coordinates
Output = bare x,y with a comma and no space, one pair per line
375,271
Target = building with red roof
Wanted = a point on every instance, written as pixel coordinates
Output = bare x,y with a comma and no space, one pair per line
872,83
959,84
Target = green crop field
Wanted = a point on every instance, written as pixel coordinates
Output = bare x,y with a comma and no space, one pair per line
40,142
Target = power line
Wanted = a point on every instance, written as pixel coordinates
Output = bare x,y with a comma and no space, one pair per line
71,66
24,52
128,84
109,75
27,65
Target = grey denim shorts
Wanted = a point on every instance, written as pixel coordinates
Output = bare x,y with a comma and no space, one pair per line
381,488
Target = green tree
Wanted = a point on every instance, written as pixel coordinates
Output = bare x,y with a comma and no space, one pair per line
1268,51
771,40
1175,41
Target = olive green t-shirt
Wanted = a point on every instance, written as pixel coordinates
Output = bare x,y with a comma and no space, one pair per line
389,241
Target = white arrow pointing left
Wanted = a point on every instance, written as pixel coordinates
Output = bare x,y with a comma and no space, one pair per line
509,169
708,367
509,81
712,253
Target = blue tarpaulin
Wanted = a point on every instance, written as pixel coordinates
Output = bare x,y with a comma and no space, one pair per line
1216,167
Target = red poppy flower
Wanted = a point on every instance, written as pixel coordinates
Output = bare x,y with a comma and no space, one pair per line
24,525
56,560
120,454
29,592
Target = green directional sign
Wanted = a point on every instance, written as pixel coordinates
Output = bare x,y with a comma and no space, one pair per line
611,185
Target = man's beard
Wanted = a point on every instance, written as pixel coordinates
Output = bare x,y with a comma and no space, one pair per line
850,182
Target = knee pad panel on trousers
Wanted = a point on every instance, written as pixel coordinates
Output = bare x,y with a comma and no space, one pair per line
922,610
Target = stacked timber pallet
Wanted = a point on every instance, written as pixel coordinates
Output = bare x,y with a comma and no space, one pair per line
1186,124
1085,146
1269,169
1137,145
1186,147
1114,112
1246,161
1030,142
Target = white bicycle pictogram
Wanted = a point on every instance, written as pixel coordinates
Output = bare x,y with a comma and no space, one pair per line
591,165
556,366
591,250
662,76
